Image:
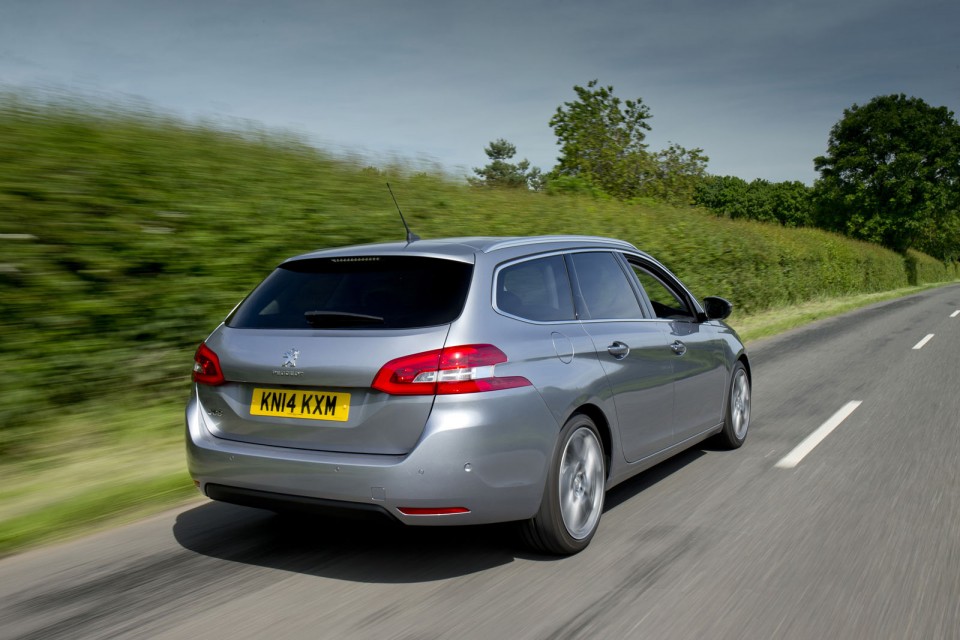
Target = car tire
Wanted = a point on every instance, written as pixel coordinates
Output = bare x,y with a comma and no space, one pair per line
736,419
573,497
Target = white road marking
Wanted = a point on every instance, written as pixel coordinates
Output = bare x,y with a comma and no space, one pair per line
925,340
955,313
799,452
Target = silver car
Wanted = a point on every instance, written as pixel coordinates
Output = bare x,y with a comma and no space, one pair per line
462,381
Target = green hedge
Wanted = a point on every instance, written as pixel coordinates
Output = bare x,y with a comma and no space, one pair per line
128,235
921,269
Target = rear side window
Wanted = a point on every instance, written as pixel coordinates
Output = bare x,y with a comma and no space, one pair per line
388,292
537,290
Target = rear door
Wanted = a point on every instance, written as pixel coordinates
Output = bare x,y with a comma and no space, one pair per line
300,353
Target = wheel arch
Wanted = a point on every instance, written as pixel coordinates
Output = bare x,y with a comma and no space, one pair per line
596,414
746,364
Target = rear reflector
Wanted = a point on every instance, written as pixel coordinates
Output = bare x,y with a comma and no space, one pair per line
451,370
435,511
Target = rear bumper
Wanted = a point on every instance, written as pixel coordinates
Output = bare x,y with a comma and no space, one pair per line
491,462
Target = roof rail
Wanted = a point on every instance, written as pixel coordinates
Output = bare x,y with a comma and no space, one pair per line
520,242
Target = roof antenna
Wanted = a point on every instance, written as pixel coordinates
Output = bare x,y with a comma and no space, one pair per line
411,236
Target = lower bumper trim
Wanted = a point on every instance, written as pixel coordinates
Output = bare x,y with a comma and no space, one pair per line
298,504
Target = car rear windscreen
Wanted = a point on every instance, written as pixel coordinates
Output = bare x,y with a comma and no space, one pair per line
364,292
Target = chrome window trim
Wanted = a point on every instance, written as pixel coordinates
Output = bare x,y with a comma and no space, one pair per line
609,320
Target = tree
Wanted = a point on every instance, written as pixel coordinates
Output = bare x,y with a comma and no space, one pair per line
891,174
677,173
601,140
725,196
792,203
500,173
789,203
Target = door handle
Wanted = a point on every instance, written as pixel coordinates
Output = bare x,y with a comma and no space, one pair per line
618,350
678,347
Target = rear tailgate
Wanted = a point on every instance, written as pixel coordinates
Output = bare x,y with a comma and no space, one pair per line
310,391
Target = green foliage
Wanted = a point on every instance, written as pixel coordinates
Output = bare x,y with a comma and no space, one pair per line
677,174
601,142
126,236
891,175
574,185
791,203
788,203
500,173
922,268
601,139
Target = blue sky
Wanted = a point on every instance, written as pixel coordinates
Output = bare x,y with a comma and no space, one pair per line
757,84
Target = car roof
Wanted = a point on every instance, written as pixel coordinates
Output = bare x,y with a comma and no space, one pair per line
467,248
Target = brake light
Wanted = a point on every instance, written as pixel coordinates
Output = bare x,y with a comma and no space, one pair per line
206,367
451,370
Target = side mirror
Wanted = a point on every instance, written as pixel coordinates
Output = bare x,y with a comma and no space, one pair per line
717,308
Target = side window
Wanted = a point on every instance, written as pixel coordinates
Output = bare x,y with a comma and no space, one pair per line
606,292
666,303
537,290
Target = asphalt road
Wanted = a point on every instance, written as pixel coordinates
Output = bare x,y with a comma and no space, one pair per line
860,539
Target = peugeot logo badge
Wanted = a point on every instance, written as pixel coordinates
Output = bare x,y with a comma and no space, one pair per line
289,362
290,358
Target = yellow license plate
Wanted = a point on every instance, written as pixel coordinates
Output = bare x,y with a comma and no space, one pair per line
312,405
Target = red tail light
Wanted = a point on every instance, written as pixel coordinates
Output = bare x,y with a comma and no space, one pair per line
206,367
465,369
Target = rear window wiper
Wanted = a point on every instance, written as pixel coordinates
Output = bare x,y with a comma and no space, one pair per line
334,319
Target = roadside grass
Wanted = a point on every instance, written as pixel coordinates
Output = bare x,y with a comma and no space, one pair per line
100,466
106,464
769,323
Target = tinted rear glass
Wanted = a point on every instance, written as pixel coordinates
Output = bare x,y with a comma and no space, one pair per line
357,293
537,290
